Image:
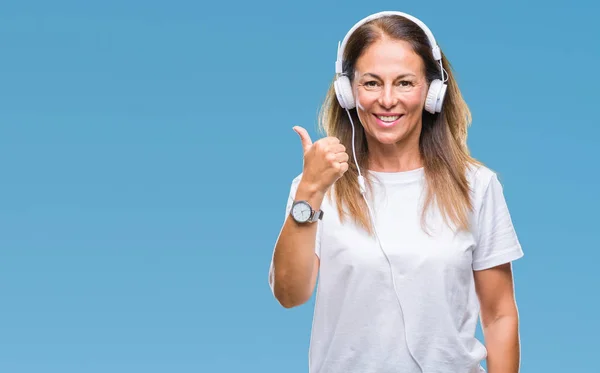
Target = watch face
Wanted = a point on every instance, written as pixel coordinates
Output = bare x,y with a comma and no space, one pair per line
301,211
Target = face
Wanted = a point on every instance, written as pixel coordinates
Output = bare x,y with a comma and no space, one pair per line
390,90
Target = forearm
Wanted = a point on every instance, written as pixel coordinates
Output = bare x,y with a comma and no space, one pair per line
502,342
293,264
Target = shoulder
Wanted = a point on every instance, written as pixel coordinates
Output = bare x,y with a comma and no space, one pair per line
487,192
480,177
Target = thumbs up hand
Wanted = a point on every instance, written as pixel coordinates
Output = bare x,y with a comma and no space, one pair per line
325,160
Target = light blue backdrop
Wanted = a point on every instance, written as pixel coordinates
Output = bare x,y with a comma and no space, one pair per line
146,153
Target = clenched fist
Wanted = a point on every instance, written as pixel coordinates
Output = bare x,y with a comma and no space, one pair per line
325,161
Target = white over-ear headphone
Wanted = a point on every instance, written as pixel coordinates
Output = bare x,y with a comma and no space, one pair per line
343,89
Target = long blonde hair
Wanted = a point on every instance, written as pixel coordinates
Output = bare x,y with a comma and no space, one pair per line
443,139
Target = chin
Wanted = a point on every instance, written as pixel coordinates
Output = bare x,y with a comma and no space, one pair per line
385,138
388,136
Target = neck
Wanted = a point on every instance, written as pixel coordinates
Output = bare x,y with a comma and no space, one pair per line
402,156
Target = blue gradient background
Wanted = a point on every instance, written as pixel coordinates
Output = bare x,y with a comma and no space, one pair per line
146,153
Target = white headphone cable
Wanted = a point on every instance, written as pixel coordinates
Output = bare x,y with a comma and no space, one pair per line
361,183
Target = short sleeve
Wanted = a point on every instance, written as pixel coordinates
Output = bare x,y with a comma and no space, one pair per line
290,202
497,241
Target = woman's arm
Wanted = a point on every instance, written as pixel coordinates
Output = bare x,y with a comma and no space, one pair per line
294,267
499,318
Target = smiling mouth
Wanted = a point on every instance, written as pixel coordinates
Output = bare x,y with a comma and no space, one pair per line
388,118
387,121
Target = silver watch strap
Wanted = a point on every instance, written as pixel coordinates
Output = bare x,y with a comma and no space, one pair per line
316,215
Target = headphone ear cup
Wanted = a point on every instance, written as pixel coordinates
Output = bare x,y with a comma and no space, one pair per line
343,91
435,96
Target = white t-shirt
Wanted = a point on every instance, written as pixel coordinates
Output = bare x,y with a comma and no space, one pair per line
358,325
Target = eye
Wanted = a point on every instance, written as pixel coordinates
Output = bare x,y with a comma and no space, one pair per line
371,84
405,83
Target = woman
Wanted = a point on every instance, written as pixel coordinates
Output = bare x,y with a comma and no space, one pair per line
411,237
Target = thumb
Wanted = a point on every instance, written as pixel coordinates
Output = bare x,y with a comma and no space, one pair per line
304,137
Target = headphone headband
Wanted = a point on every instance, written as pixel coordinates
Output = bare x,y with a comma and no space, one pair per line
341,46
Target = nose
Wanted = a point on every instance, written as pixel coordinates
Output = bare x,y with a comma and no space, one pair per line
387,98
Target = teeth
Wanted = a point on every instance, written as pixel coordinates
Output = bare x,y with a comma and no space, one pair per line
388,119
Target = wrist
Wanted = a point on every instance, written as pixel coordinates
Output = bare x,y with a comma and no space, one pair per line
311,193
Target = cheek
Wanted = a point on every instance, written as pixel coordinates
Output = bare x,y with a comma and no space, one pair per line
364,102
364,105
415,100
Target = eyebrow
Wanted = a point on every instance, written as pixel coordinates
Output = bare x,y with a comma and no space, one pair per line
399,76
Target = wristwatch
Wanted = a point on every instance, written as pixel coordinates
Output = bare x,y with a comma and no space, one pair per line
302,212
